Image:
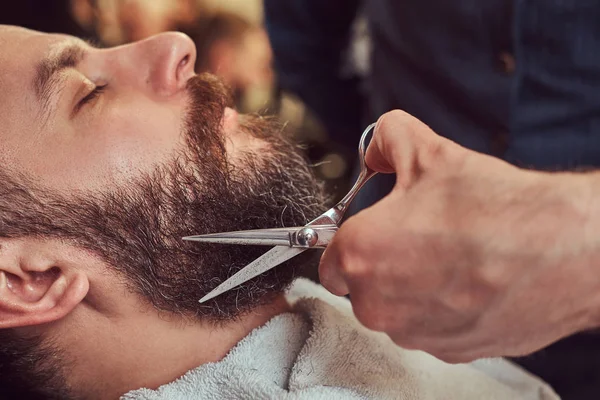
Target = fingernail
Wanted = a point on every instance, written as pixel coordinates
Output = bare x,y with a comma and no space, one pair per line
332,280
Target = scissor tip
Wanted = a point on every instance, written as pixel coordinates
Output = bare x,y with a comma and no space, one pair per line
207,298
195,238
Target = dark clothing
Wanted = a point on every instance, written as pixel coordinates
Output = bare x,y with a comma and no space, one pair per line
308,38
518,79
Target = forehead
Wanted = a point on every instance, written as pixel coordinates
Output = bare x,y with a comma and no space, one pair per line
20,52
21,49
13,38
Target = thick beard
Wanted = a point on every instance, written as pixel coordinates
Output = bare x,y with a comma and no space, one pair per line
137,229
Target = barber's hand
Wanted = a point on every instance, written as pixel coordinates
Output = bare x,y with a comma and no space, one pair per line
468,257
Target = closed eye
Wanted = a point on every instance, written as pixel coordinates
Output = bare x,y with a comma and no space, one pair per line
98,90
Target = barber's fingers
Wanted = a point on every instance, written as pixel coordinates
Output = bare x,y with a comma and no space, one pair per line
330,275
404,145
351,255
333,273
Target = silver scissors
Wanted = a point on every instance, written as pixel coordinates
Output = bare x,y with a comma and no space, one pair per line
289,242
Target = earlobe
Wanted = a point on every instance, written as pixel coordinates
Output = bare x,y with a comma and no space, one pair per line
38,293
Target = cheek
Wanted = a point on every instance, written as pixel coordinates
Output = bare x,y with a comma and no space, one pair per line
123,143
135,140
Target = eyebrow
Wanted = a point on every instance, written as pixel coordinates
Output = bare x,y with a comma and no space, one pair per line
48,69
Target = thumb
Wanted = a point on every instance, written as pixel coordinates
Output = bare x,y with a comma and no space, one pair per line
353,248
404,145
330,275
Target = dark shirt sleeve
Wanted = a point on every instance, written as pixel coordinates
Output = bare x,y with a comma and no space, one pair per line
310,39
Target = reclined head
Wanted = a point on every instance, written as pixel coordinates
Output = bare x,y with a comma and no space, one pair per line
108,157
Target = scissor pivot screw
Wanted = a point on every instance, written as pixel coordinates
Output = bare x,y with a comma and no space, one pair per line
307,237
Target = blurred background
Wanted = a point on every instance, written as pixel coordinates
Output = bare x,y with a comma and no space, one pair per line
231,41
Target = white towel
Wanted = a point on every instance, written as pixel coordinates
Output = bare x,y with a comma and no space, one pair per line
320,351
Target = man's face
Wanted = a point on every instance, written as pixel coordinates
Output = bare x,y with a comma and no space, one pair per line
119,153
125,151
54,129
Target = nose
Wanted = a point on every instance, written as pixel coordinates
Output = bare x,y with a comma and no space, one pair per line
170,59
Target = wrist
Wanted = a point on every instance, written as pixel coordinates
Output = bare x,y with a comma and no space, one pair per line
582,191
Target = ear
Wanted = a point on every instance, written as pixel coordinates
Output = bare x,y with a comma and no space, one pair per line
40,282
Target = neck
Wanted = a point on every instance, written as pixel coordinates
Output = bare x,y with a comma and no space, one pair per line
147,351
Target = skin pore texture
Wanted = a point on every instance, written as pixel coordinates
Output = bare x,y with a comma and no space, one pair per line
106,164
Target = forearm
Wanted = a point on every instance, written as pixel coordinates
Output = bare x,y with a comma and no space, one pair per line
588,203
569,228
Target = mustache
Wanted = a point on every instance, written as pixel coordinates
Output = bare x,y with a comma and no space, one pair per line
202,127
209,96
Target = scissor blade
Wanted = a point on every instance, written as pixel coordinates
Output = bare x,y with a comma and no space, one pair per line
262,237
270,259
